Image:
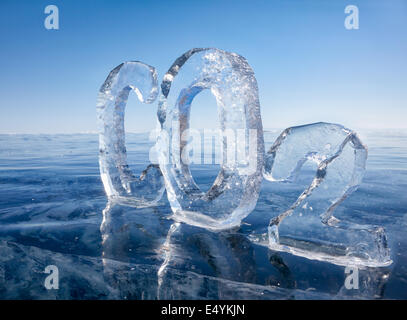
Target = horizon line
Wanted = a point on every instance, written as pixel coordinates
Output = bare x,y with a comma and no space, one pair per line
143,132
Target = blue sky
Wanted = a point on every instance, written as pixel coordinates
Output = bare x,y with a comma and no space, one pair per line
308,66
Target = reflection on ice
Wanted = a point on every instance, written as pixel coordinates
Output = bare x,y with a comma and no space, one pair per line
177,261
147,256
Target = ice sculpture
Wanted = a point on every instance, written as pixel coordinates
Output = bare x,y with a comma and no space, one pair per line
308,228
119,181
235,191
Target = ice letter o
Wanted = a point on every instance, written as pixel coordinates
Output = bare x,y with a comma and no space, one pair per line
235,191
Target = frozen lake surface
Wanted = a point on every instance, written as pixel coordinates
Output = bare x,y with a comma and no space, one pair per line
51,204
